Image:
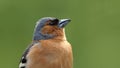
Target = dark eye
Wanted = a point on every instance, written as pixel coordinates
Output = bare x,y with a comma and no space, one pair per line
54,22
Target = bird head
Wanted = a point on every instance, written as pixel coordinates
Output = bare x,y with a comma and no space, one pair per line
49,27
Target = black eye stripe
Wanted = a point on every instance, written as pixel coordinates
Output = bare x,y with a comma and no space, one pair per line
54,22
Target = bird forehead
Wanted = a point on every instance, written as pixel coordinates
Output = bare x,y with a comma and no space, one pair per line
44,20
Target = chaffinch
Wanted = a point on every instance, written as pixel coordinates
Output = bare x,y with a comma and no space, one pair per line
49,47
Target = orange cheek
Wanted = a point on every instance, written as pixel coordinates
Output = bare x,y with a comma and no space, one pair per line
47,30
54,30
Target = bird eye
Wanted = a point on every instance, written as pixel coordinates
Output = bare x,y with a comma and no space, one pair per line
54,22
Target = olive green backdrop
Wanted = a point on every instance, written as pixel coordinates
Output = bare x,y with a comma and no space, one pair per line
94,31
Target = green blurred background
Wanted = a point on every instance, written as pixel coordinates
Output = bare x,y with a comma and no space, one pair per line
94,31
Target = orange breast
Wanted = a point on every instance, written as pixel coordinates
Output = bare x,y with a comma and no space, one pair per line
50,54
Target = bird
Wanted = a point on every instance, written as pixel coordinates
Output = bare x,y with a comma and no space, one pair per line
49,47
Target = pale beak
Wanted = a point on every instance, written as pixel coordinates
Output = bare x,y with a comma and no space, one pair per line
63,23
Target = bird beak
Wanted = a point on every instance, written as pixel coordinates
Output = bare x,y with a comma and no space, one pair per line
63,23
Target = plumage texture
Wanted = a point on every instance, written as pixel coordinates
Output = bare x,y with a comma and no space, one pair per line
49,48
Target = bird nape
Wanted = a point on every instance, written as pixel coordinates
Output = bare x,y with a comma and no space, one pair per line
49,47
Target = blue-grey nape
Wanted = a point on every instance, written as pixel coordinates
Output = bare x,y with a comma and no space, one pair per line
39,25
